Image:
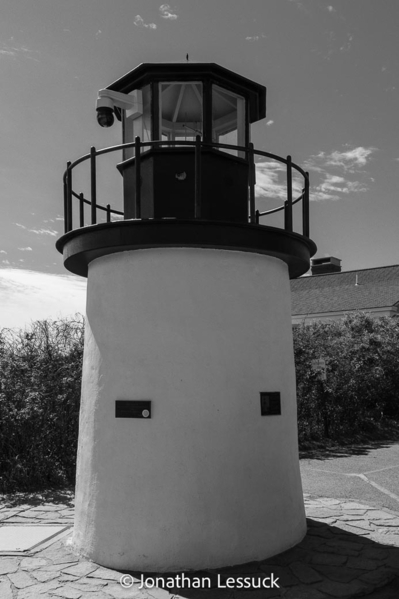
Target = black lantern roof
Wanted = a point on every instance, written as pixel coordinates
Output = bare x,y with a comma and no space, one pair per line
146,73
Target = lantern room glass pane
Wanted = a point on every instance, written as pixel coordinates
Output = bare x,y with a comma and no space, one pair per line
181,111
140,126
228,119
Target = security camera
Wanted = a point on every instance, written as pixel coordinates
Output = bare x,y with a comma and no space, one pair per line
109,101
105,111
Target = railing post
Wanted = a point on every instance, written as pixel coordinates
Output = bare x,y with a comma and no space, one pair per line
69,198
197,198
257,216
288,204
65,203
305,208
252,181
81,211
108,213
93,185
137,176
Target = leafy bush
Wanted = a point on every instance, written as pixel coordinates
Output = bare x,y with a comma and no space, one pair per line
362,386
40,374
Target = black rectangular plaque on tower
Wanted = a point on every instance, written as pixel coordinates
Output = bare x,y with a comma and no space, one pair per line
132,409
270,403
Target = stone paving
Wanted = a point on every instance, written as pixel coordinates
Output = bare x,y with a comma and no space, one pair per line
349,551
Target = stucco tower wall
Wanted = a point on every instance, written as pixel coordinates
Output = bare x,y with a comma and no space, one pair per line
207,481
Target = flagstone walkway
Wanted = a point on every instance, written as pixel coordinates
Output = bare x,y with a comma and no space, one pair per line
350,550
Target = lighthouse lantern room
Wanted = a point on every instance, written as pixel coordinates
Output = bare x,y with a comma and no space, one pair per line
188,451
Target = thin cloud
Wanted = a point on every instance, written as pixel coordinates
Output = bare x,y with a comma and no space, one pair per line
38,231
351,159
166,13
3,252
27,249
14,51
347,45
301,6
139,22
255,38
337,184
271,181
269,123
334,171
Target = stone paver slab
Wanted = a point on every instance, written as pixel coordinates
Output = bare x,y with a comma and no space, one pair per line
377,577
5,589
117,592
394,523
58,567
375,553
339,589
51,516
67,592
342,544
379,515
304,593
328,559
85,588
67,578
31,514
8,566
81,569
328,501
362,563
323,512
31,563
44,575
355,530
18,520
251,594
352,505
385,538
338,574
305,573
21,579
363,525
393,560
99,595
63,559
106,574
35,591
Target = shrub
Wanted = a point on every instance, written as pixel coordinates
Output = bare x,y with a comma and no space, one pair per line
362,383
40,374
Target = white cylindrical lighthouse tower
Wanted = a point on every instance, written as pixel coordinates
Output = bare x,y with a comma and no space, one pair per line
188,453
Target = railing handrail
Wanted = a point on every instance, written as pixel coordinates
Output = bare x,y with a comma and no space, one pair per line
206,145
198,145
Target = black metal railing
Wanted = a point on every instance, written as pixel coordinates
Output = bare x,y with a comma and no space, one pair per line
253,214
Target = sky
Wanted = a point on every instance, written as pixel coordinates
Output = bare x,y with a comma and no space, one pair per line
331,69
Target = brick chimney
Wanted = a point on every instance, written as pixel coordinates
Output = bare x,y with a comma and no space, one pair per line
322,266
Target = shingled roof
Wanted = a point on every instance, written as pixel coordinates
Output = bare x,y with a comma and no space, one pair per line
376,288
